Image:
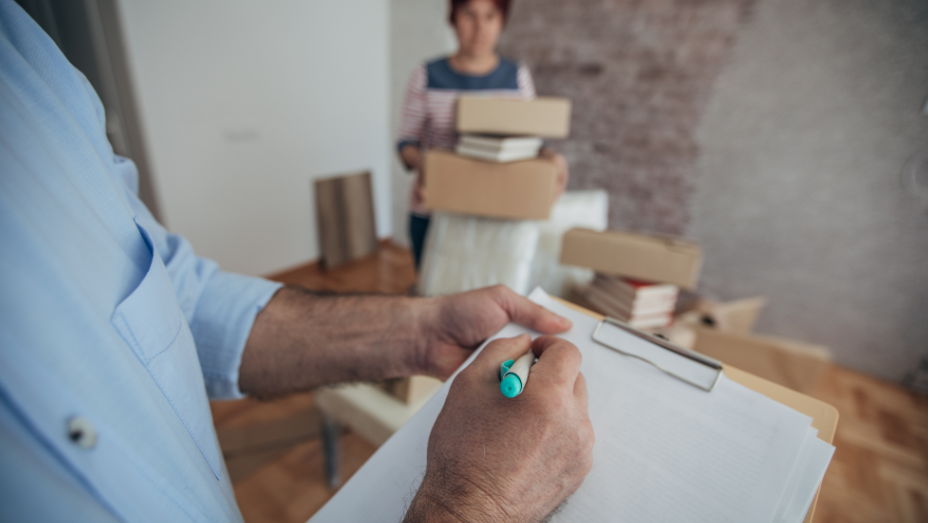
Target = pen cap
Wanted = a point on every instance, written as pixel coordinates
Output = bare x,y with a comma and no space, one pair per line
515,374
504,368
511,386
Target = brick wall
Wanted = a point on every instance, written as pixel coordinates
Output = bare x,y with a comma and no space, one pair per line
639,73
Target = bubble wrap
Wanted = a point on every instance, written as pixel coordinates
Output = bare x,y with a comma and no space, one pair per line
468,252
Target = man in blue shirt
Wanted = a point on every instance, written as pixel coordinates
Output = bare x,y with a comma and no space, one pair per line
114,335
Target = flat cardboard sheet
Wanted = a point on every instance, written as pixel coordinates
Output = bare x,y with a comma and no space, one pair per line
651,258
345,218
521,190
546,117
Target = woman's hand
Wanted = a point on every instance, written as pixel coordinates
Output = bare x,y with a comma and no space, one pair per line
418,190
563,172
412,157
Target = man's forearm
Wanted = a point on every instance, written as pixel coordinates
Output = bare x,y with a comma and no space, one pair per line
302,340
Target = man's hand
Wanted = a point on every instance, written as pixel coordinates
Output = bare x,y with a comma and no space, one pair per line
492,458
301,340
457,324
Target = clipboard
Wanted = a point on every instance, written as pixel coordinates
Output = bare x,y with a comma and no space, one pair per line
824,416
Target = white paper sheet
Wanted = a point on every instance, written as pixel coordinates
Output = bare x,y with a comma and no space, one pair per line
665,450
796,474
813,471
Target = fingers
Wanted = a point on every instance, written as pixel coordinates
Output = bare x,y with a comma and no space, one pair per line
558,360
497,351
529,314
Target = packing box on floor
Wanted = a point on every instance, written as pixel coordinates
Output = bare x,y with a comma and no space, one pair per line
736,316
650,258
517,190
546,117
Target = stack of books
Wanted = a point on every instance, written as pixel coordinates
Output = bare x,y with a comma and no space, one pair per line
499,148
640,304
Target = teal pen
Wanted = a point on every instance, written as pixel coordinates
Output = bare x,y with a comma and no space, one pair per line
513,374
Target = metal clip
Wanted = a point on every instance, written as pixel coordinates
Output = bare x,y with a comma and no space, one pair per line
680,351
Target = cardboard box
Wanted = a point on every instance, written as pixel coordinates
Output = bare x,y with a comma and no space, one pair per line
790,363
651,258
736,316
547,117
519,190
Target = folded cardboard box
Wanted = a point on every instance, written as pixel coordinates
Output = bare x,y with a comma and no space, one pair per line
546,117
736,316
650,258
518,190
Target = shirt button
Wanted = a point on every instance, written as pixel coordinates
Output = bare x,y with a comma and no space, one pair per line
82,433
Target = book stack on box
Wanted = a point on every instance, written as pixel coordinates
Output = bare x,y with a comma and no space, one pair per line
640,304
495,170
499,148
638,277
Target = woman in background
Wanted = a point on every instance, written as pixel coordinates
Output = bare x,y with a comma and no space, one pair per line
428,107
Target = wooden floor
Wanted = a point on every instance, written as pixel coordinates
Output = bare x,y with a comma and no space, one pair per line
880,468
879,472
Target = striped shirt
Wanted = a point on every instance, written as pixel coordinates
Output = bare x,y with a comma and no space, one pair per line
427,119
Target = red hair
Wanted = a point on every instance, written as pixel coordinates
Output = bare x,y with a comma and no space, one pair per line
502,5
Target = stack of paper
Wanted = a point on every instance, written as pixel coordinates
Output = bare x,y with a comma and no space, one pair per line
665,451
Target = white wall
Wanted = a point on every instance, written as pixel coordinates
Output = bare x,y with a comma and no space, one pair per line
799,194
243,103
419,31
